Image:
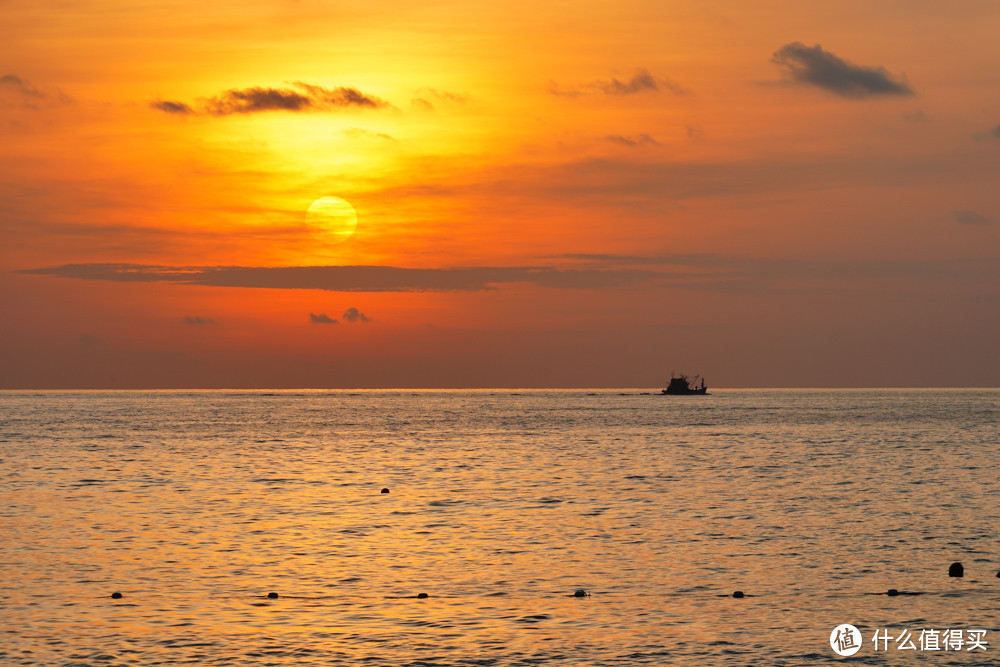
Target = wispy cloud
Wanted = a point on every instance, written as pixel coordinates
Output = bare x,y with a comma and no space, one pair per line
361,133
198,321
969,217
299,98
28,95
19,85
321,318
442,96
631,142
811,65
641,81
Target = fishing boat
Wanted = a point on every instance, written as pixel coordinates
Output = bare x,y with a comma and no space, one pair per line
683,385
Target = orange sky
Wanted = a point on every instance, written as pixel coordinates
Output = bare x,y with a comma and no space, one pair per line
574,194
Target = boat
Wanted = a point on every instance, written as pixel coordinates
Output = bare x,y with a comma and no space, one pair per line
682,385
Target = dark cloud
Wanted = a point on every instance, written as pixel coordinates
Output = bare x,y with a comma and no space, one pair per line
704,271
16,83
641,81
251,100
640,140
968,217
724,272
996,131
349,278
169,106
322,318
198,321
813,66
355,315
301,97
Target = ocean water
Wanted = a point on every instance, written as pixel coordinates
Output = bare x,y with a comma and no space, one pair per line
196,505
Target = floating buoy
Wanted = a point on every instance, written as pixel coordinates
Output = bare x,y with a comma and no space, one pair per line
580,593
891,592
385,491
956,570
116,596
738,594
422,596
272,595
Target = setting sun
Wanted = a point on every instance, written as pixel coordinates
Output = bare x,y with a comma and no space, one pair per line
334,218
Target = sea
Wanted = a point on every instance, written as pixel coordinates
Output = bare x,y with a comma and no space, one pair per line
520,527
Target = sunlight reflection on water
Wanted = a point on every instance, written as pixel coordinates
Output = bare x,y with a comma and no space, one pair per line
195,505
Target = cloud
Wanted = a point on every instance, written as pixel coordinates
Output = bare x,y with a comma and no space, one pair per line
996,131
300,97
197,321
694,271
811,65
19,85
640,140
29,95
968,217
443,95
322,318
641,81
361,133
695,132
169,106
355,315
350,278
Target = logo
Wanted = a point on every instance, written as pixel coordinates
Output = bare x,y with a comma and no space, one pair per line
845,640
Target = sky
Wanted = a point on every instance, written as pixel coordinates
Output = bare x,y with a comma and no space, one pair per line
554,194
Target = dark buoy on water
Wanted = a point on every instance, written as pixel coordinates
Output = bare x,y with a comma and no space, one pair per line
738,594
272,595
956,570
116,596
580,593
422,596
384,491
891,592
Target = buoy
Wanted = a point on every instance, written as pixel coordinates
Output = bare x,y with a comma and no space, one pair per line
385,491
956,570
998,574
116,596
738,594
272,595
891,592
422,596
579,593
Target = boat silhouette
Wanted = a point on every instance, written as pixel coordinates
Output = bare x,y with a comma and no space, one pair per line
683,385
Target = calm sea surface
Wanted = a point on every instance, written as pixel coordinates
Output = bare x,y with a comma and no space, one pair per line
196,505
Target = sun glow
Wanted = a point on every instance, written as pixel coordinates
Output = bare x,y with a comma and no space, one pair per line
332,217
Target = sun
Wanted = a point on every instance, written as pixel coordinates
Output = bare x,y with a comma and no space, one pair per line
333,217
